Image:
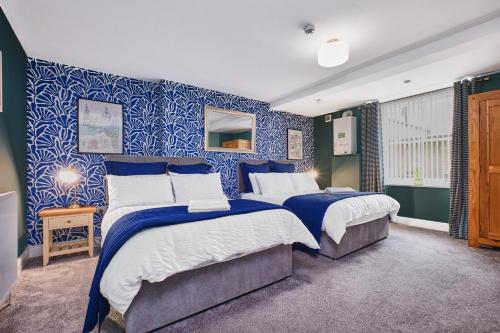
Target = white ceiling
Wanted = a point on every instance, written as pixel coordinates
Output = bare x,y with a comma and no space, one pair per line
257,49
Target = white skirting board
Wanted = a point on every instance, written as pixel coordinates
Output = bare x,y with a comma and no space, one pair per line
425,224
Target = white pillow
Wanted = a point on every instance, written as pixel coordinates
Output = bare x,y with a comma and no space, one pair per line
196,187
304,182
255,183
275,183
139,190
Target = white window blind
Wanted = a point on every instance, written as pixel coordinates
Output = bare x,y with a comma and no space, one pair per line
416,137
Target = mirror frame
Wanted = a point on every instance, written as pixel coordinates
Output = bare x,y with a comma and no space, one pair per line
209,108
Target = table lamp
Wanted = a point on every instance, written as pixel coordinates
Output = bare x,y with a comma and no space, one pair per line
313,173
70,177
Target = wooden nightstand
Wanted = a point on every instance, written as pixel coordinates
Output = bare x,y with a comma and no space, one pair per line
63,218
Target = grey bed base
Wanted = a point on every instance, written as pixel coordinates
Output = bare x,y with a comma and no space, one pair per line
187,293
355,238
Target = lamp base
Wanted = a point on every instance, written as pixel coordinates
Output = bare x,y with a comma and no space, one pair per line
74,205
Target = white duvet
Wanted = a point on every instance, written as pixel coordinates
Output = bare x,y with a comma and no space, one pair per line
158,253
344,213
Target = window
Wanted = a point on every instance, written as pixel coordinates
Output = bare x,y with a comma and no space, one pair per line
416,137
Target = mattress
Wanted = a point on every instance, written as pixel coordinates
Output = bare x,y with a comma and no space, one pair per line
344,213
155,254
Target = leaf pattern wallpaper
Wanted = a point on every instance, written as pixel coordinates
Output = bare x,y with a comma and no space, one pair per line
160,119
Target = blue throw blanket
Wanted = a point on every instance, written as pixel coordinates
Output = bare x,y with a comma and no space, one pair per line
311,208
131,224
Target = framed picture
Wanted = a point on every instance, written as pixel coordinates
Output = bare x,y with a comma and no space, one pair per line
100,127
295,145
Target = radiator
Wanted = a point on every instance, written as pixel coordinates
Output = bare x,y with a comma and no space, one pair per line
8,244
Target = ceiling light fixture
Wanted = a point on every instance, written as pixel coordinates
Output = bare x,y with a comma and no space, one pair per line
333,53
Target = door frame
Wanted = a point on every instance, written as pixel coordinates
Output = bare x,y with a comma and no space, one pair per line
475,100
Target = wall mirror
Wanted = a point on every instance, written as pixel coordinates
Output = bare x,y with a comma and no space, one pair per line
229,130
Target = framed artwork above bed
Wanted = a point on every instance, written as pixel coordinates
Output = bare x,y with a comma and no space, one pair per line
295,145
100,127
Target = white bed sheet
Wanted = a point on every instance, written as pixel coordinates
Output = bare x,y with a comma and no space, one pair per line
158,253
344,213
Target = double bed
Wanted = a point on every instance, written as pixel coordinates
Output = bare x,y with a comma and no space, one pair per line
161,275
348,225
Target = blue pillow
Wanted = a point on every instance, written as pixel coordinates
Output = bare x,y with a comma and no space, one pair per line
132,169
282,167
190,168
252,168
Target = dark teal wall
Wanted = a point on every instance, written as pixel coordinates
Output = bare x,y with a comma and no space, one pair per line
217,139
490,82
323,151
425,203
346,170
13,122
335,170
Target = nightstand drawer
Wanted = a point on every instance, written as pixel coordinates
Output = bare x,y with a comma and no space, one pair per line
68,221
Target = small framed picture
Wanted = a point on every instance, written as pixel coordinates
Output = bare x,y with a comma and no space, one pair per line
295,145
100,127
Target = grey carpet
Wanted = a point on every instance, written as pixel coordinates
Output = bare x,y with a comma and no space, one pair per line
415,281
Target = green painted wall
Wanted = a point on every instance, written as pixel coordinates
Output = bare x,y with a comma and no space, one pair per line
217,139
323,150
335,170
214,139
346,171
490,82
425,203
13,122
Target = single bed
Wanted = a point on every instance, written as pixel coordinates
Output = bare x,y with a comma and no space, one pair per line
348,225
151,291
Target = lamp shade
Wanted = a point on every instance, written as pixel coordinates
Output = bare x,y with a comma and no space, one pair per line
313,173
68,175
333,53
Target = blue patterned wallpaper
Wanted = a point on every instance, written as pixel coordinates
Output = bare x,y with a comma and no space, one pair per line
162,119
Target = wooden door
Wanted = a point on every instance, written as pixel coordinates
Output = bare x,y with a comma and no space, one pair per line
484,169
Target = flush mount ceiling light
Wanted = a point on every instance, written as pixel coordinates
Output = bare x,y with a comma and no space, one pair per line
333,53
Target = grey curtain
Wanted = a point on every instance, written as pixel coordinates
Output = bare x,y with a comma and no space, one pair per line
371,179
459,175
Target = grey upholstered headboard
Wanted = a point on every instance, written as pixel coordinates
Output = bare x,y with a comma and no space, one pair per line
241,185
152,159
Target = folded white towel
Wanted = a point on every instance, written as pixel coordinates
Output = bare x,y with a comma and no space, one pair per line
208,205
339,189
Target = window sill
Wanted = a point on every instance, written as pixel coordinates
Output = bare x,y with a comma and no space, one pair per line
415,186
